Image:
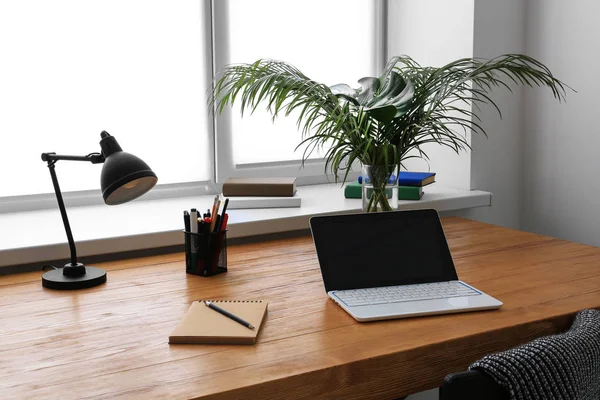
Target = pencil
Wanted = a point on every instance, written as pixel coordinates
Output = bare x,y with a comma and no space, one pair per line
215,215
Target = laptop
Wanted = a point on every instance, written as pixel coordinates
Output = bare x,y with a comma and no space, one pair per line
392,265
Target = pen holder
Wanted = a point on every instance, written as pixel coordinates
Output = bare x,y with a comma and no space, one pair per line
205,254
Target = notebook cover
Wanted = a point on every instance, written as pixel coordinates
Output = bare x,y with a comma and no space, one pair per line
353,190
261,186
201,324
410,178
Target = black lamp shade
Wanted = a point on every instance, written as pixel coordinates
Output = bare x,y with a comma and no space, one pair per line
124,176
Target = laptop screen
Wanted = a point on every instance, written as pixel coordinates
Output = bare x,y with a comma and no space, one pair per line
359,251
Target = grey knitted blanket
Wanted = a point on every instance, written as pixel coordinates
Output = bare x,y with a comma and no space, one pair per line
563,366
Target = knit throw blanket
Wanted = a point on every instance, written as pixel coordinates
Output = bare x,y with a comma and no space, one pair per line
564,366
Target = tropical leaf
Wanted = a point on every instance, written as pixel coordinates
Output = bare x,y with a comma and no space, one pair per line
346,92
369,87
382,98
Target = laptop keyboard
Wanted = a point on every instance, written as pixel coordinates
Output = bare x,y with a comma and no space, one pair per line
395,294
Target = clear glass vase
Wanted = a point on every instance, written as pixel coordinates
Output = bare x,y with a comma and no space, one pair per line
379,188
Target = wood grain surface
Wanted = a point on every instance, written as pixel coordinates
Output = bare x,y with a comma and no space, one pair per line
110,342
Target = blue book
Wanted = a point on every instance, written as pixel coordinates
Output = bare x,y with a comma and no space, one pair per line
409,178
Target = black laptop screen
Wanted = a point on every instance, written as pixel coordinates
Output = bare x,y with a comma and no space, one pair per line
382,249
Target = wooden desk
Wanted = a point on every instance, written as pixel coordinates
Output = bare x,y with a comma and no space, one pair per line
111,341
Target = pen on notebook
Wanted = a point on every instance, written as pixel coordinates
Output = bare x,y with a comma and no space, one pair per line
226,313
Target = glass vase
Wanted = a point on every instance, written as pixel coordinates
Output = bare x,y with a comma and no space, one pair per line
379,188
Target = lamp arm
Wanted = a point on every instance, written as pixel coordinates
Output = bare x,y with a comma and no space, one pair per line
63,212
51,159
94,158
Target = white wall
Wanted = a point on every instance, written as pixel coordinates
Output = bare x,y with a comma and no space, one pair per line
434,32
496,161
561,187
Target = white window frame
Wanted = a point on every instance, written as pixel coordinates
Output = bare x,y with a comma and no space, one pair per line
313,171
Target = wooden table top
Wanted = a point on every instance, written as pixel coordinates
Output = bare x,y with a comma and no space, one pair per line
111,341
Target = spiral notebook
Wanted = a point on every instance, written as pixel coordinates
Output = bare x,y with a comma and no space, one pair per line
200,324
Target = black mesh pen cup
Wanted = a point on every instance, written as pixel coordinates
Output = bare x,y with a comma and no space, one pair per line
205,254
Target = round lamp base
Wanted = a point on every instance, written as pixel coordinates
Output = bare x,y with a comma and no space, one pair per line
56,280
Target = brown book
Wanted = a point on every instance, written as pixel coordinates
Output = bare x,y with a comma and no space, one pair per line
269,186
201,324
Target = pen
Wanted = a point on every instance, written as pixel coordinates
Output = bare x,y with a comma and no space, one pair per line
186,220
226,313
222,221
225,204
193,238
194,226
186,224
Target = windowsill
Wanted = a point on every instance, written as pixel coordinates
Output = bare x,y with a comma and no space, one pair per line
38,236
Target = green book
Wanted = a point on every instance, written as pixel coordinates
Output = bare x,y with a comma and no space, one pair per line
353,190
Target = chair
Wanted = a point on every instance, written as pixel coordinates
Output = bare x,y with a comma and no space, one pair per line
563,366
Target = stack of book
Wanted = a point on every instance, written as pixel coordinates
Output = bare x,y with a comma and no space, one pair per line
410,185
264,192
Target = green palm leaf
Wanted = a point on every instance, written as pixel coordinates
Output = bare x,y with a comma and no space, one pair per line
387,119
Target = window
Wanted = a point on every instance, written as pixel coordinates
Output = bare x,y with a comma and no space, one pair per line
141,70
138,69
334,41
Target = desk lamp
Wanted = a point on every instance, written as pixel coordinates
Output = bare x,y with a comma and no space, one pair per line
124,177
